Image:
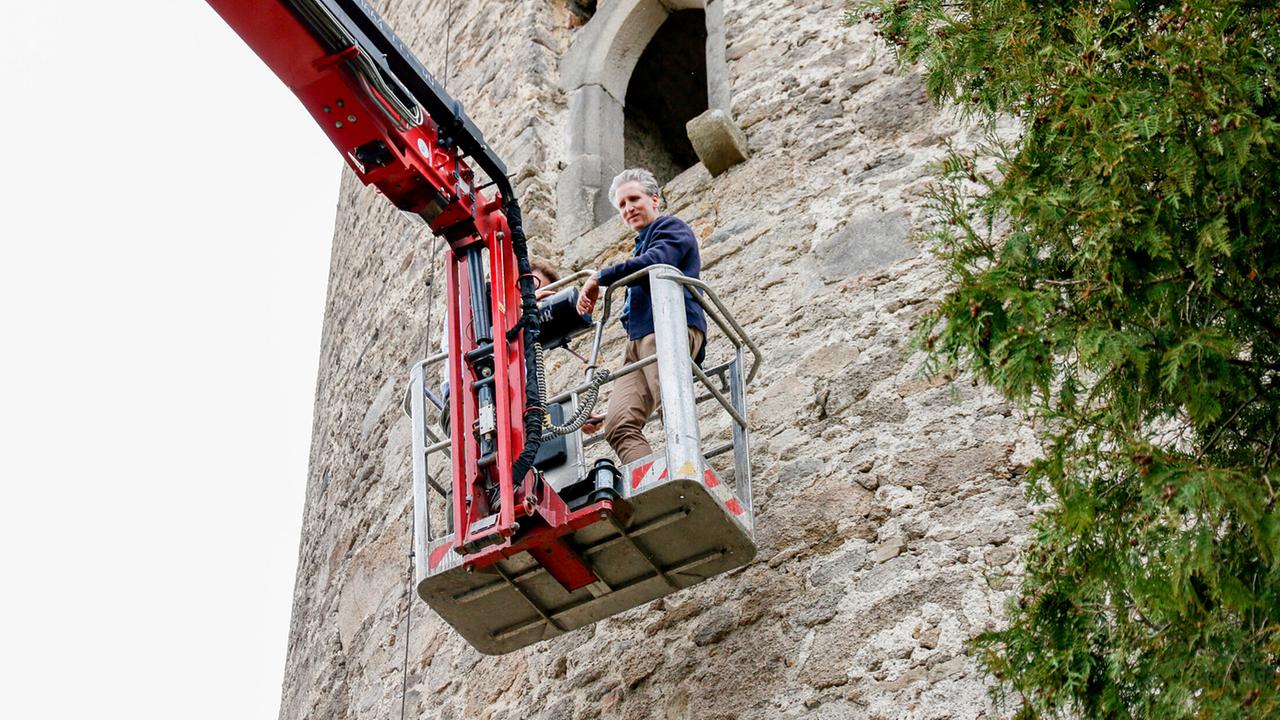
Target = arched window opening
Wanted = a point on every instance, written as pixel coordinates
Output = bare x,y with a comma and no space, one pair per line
635,75
668,88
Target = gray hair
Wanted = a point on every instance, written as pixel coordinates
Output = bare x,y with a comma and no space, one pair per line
648,183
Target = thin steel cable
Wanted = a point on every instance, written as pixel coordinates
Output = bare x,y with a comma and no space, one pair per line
431,297
408,618
408,600
448,37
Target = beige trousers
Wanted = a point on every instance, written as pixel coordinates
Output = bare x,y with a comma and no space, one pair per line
635,397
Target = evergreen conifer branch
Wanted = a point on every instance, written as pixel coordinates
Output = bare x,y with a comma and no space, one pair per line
1115,268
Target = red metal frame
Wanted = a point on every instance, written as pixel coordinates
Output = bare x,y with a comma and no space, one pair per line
426,177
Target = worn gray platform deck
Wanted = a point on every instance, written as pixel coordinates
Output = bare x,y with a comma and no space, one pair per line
681,532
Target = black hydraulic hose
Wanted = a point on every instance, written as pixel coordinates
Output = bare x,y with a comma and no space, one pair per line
531,324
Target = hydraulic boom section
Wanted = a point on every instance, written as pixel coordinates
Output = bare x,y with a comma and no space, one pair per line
401,132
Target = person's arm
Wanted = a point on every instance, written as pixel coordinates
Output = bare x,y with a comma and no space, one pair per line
667,245
587,298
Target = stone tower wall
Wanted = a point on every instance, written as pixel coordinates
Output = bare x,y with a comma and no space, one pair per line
888,503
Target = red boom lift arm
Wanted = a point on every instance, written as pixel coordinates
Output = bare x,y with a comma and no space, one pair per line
401,132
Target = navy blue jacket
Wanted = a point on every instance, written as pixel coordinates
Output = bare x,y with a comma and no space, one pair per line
665,241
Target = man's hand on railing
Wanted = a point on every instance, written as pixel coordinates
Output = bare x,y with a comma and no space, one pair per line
590,293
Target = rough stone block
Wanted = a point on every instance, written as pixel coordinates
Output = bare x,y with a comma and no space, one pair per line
718,140
595,124
580,196
609,240
868,243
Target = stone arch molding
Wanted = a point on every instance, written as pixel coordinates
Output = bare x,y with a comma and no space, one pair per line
595,73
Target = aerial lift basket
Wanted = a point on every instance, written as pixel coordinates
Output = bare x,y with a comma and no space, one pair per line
672,521
536,553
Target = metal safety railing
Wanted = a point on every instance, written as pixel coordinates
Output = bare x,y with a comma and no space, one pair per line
724,383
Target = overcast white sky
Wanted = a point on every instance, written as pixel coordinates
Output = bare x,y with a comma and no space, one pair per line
166,212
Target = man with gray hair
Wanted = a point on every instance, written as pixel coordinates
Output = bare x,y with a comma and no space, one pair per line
660,240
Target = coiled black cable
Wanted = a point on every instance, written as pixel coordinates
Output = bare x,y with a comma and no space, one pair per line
586,403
